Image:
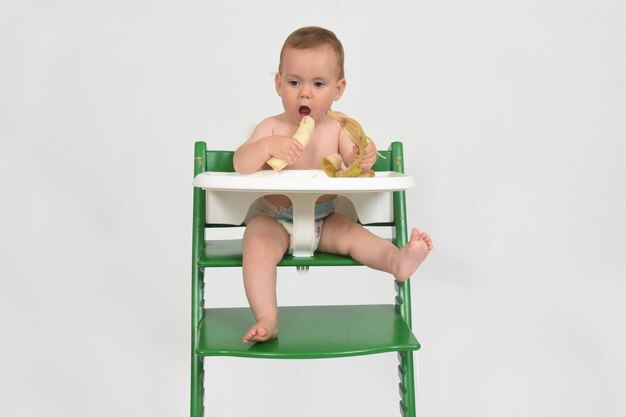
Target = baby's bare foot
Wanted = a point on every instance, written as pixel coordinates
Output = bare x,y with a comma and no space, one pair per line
412,255
263,330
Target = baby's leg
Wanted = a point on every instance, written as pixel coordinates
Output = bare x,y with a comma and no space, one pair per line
343,236
265,241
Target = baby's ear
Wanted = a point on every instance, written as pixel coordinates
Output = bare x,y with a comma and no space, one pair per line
341,87
277,83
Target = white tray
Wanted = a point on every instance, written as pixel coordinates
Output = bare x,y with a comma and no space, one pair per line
229,195
301,181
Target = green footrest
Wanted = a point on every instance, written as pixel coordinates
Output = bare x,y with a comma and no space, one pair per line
308,332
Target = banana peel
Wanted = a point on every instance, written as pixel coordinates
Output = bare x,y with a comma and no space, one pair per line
331,164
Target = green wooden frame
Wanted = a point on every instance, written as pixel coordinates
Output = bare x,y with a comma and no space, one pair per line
372,328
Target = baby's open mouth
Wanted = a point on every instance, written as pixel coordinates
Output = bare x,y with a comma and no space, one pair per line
304,111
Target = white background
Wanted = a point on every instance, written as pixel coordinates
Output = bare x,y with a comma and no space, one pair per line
513,118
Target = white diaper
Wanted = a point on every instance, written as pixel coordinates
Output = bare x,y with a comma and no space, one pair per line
284,216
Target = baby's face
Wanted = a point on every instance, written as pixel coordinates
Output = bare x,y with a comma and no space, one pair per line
309,82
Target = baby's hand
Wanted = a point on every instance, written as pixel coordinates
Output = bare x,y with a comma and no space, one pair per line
286,148
369,155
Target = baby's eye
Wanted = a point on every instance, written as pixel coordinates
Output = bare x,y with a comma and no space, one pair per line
293,83
319,84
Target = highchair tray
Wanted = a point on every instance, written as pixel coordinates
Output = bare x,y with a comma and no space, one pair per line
301,181
369,200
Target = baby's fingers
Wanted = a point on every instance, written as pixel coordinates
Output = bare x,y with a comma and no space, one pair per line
293,152
369,156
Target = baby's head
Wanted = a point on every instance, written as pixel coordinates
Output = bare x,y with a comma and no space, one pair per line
312,37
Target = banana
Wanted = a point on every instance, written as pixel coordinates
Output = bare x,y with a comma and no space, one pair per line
302,135
332,163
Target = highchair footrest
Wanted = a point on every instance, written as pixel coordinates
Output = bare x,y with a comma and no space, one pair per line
308,332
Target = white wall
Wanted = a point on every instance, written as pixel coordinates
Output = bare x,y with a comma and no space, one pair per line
513,117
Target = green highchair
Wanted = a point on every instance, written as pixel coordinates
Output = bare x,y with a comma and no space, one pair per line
339,331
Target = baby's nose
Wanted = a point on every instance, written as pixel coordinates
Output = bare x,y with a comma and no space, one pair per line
305,92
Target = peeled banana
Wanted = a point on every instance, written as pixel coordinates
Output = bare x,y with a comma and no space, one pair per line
332,163
302,135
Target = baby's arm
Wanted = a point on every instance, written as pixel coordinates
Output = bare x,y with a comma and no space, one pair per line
262,145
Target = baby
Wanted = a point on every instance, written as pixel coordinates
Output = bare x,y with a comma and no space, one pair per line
310,78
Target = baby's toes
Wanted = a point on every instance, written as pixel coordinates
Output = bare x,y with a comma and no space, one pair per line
424,236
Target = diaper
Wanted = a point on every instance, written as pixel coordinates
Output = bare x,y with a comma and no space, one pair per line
284,216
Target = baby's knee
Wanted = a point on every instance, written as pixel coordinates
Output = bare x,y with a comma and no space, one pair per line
337,234
340,226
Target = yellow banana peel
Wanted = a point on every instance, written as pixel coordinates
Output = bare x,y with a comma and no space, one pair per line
332,163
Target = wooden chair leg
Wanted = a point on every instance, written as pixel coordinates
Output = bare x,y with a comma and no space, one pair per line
197,387
407,384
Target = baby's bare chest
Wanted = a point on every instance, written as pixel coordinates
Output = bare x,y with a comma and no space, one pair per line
324,144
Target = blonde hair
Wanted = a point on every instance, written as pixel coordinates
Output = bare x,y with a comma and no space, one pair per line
311,37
